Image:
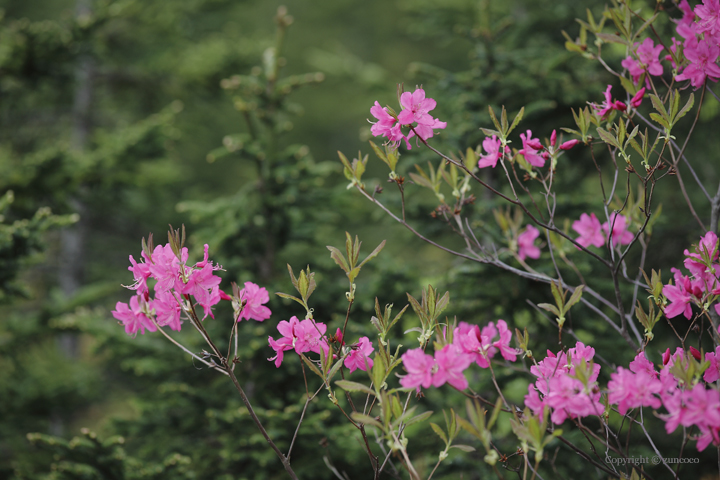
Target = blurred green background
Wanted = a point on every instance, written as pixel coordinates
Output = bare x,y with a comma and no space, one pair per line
124,116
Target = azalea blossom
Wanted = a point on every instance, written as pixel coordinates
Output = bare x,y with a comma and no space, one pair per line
419,366
608,106
709,16
255,297
359,357
135,317
590,231
702,63
647,60
450,363
493,148
526,243
531,147
620,234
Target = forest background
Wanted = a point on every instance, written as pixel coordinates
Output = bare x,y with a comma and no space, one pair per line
125,116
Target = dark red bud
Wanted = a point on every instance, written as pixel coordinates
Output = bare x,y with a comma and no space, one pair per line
695,353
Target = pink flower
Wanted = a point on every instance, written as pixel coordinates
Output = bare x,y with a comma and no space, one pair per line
416,108
386,125
477,344
702,63
451,362
531,147
526,243
638,98
419,366
620,235
135,317
166,267
609,105
167,310
286,342
141,272
359,355
198,280
680,295
630,390
708,247
206,299
642,364
309,337
503,344
709,14
255,298
647,60
713,371
590,230
494,152
567,396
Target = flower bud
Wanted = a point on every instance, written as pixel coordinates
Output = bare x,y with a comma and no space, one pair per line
695,353
666,357
638,98
569,144
553,138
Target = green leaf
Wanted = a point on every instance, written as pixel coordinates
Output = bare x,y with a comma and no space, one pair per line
608,138
647,23
350,386
464,448
574,298
312,366
494,119
366,419
290,297
379,153
611,38
516,120
439,432
550,308
660,120
373,254
337,255
490,133
419,418
686,108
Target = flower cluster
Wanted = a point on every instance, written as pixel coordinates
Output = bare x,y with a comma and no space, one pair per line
593,233
567,383
176,282
700,30
415,110
534,152
702,286
309,336
469,344
687,405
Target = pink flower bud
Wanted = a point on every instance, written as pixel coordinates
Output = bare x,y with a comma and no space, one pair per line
620,106
666,357
695,353
545,155
569,144
224,296
553,138
638,98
